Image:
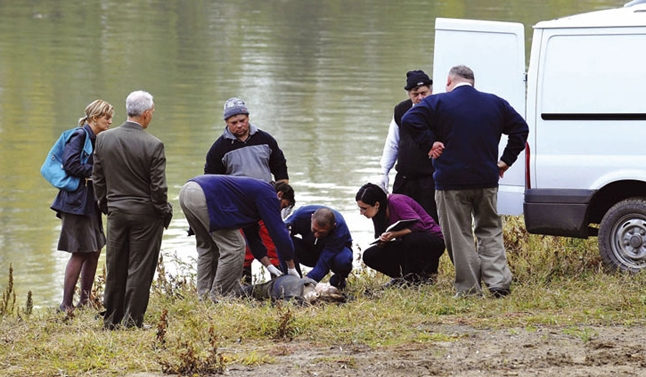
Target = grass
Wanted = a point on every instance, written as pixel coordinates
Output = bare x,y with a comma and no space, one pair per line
558,282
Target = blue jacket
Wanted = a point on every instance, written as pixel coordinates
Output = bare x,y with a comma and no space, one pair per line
300,222
240,202
470,124
81,201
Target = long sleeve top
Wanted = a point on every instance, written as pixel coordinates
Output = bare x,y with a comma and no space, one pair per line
240,202
81,201
258,157
470,124
300,223
402,207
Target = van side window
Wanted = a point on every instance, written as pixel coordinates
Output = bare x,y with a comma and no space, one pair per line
599,74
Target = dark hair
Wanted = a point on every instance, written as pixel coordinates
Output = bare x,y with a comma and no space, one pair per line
371,194
287,190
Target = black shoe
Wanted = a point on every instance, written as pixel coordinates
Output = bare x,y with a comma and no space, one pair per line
337,282
499,292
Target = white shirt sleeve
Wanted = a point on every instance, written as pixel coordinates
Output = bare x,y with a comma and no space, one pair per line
391,148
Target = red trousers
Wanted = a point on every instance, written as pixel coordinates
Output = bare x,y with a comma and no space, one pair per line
269,244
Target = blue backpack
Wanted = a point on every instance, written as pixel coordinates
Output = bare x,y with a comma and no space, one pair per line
52,169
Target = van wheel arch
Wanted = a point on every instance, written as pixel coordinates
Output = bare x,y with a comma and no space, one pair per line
622,236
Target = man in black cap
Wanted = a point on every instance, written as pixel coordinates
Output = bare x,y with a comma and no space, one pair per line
414,169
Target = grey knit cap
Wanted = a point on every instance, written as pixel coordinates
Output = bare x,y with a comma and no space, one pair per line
234,106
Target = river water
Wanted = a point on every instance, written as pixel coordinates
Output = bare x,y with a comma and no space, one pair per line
321,76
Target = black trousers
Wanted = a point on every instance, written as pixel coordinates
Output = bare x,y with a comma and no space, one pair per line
131,255
422,189
415,255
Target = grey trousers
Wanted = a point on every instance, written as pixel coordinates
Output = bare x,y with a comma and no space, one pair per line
464,213
220,254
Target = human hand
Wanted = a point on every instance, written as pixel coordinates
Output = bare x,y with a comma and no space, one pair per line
383,182
168,216
502,168
386,236
436,150
293,272
273,271
326,289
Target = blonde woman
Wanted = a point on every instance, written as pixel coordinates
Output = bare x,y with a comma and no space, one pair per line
82,230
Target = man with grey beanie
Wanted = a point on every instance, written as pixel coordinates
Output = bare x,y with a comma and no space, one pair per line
245,150
130,186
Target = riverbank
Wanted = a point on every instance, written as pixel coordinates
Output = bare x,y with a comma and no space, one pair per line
469,351
565,316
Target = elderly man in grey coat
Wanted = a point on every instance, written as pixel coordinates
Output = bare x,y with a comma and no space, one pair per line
130,186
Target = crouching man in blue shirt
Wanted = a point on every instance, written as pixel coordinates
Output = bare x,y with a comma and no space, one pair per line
324,243
217,207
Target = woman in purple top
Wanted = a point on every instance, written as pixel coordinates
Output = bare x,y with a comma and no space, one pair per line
410,254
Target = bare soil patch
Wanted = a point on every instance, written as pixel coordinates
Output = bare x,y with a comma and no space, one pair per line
467,351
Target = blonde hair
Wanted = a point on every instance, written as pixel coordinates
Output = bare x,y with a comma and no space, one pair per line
96,109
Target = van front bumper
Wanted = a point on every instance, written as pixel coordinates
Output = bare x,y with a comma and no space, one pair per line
557,212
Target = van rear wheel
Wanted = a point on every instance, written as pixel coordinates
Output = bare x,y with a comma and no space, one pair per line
622,236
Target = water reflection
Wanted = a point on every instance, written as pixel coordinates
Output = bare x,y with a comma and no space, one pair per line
322,77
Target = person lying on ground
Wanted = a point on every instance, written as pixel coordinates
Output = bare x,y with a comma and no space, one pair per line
288,287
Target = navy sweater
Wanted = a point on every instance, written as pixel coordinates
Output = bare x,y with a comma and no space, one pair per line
470,124
240,202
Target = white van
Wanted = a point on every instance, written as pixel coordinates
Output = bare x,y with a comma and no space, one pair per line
584,98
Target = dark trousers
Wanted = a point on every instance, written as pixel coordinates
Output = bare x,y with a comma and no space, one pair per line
415,255
422,189
132,252
308,255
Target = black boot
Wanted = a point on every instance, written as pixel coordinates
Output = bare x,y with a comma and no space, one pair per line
337,282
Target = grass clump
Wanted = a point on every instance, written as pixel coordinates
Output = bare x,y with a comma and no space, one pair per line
8,305
285,328
586,334
186,359
557,283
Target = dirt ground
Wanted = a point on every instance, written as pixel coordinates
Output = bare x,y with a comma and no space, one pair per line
465,351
